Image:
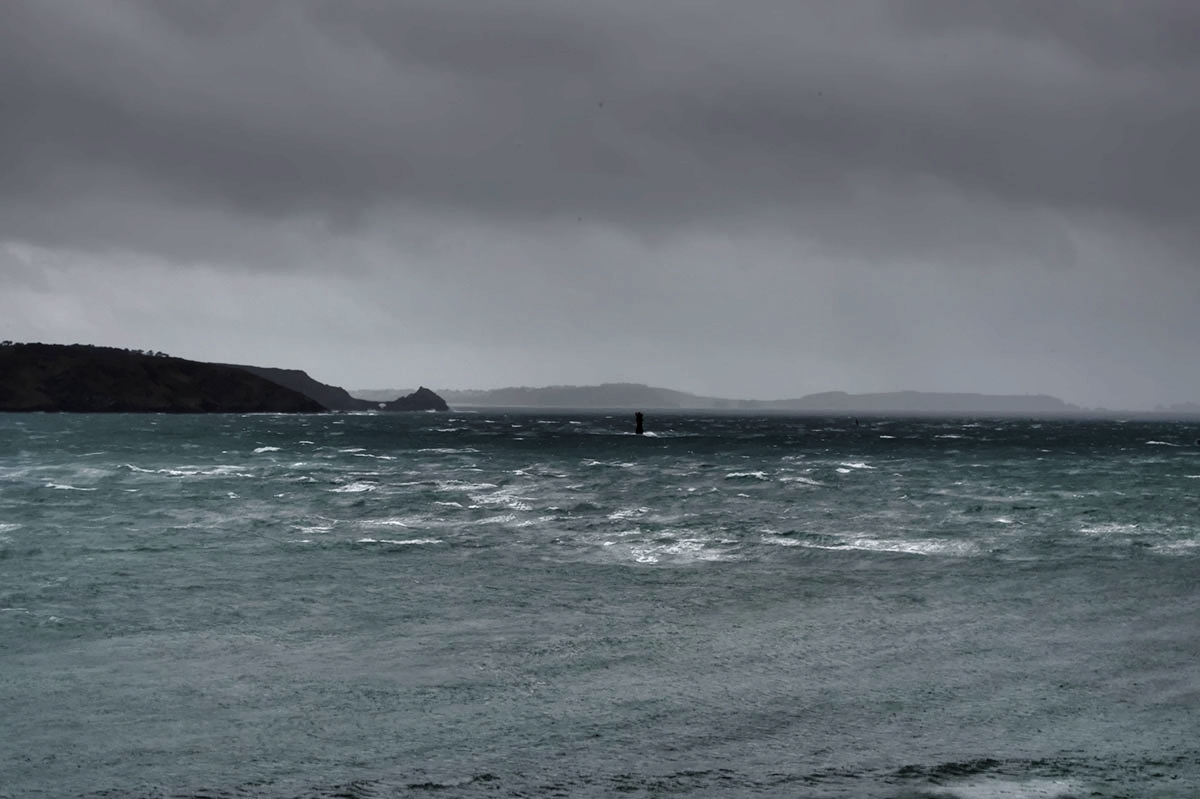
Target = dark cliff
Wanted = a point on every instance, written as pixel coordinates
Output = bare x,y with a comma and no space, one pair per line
85,379
332,397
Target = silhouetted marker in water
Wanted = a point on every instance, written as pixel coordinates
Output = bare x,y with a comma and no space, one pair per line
638,421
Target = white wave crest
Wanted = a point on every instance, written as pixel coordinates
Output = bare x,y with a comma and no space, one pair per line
627,513
914,547
747,475
505,497
221,470
393,522
1108,528
917,546
399,541
808,481
354,488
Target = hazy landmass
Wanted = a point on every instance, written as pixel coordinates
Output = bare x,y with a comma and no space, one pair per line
1180,409
635,395
84,379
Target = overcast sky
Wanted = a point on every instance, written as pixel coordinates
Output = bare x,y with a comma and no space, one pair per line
745,198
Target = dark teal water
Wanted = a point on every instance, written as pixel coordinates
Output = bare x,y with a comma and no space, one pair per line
503,604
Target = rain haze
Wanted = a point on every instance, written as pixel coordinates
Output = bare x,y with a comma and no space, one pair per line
751,199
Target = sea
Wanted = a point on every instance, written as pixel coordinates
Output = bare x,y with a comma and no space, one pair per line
500,603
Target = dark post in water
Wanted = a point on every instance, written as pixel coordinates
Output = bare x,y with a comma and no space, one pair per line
638,421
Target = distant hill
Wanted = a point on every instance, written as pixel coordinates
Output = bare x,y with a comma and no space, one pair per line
85,379
636,395
926,402
607,395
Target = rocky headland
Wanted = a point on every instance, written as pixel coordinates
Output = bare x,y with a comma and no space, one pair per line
80,378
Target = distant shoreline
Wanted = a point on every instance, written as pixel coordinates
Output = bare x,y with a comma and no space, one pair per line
863,416
636,396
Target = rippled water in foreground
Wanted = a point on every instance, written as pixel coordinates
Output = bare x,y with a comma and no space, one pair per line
503,604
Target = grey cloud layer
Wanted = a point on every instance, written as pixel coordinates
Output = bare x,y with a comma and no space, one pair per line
650,116
737,197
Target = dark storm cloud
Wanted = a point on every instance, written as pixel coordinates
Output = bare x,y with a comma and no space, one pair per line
926,127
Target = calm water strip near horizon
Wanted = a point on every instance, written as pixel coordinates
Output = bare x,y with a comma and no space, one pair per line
500,603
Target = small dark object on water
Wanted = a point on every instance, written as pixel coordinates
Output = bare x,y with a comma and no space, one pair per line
638,421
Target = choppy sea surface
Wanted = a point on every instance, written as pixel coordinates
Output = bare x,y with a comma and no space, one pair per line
501,604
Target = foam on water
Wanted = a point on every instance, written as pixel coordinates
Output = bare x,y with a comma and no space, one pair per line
676,551
1010,789
1183,547
315,528
1109,528
458,485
